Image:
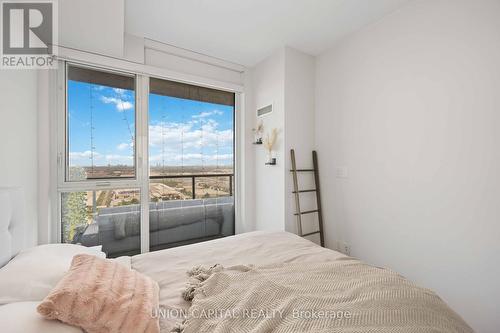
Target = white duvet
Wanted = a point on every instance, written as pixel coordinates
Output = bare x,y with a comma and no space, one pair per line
168,267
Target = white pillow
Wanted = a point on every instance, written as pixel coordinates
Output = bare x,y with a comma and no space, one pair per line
125,261
34,272
22,317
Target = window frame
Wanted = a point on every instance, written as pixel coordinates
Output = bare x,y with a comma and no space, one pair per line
141,148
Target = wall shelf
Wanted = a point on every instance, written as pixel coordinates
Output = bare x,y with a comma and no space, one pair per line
273,162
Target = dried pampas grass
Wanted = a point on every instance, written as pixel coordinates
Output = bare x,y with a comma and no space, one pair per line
271,140
259,129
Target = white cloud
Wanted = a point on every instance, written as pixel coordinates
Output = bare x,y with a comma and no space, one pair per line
206,157
119,91
191,158
74,155
208,114
119,159
84,159
187,135
121,105
125,145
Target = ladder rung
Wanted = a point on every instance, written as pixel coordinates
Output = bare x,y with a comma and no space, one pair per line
307,212
303,191
294,170
311,233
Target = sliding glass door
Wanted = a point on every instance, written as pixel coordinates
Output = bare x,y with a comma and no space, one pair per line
103,176
191,163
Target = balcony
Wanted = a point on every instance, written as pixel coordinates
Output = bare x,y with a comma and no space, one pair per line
183,209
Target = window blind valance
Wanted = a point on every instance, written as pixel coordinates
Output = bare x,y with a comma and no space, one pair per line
187,91
113,80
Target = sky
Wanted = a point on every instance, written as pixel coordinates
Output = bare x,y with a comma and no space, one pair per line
181,132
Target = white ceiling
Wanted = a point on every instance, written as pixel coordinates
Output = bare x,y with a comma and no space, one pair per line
246,31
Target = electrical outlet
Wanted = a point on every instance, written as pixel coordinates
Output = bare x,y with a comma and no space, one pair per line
346,249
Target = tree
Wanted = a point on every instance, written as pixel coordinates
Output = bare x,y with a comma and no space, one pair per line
74,208
74,213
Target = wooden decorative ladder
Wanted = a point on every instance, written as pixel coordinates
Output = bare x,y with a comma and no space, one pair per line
297,192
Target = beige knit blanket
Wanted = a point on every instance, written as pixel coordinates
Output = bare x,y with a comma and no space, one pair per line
338,296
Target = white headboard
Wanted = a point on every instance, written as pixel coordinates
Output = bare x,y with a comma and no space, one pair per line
12,224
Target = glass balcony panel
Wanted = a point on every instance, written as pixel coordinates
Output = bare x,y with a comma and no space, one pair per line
213,187
110,218
176,218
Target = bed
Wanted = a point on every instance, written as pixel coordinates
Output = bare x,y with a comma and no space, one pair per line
258,253
169,267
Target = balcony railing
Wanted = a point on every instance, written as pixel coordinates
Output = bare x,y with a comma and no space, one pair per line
192,177
193,180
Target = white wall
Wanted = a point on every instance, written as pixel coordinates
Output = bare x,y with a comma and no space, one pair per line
411,107
247,159
18,146
286,80
92,25
267,81
166,56
299,135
